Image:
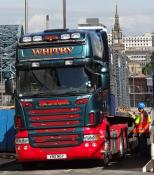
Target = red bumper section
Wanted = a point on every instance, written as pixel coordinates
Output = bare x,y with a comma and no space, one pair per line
87,149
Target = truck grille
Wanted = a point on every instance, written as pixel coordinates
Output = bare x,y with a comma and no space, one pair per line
55,118
62,138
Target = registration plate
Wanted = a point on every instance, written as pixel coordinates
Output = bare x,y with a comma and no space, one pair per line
56,156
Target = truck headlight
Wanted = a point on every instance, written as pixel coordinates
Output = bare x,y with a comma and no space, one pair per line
91,137
21,141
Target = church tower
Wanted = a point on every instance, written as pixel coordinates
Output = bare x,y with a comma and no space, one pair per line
117,43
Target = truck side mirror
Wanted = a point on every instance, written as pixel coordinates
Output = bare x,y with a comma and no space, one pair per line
9,87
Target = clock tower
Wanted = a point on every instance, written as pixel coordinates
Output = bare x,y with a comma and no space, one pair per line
117,43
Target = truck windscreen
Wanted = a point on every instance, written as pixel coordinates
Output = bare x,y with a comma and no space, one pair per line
54,81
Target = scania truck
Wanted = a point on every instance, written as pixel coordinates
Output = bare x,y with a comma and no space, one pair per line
62,98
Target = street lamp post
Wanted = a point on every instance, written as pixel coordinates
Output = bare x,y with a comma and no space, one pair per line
47,22
134,104
64,14
26,16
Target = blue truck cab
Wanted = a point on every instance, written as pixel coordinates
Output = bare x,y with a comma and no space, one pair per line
62,96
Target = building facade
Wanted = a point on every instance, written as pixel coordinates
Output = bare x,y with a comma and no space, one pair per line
118,66
140,42
117,37
140,90
138,49
134,53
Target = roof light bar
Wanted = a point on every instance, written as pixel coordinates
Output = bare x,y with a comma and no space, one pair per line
26,39
65,36
75,35
37,38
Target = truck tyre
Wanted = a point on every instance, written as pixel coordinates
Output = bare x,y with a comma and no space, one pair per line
107,154
121,147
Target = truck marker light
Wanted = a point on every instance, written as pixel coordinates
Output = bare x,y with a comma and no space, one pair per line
75,35
65,36
37,38
91,118
18,148
68,62
35,64
86,145
26,104
25,148
17,122
26,39
94,144
50,37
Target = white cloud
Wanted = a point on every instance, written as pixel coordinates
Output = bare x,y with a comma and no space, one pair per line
134,17
136,23
37,22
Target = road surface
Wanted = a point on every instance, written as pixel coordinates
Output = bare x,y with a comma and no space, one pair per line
130,165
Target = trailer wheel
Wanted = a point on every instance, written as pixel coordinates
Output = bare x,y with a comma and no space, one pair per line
121,149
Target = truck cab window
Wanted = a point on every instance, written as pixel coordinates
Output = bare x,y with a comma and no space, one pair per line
54,80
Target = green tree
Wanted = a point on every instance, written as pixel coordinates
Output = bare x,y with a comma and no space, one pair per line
147,70
152,59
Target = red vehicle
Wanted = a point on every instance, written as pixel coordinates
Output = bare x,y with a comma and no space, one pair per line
62,98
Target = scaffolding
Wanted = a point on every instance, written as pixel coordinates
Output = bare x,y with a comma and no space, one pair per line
9,35
140,89
119,79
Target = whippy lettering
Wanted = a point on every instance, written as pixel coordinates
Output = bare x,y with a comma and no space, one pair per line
52,51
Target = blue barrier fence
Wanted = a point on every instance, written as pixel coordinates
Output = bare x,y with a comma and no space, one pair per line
7,131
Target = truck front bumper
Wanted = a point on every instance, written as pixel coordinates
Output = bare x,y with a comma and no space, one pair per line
86,150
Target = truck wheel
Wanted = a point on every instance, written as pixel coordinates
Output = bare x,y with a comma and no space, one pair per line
106,160
107,154
121,147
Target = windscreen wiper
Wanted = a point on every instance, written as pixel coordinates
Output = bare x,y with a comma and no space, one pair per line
74,92
41,84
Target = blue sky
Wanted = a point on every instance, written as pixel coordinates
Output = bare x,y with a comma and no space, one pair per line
136,16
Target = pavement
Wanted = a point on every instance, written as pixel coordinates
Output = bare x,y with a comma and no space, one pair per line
7,159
